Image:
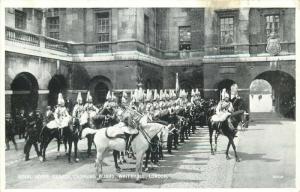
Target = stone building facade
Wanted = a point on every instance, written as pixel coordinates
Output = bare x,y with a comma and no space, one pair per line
79,49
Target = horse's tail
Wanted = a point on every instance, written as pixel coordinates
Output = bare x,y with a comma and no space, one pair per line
88,131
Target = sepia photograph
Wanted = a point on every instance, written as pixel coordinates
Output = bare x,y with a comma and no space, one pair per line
152,97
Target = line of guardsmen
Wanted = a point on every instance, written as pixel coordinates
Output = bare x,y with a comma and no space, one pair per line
166,107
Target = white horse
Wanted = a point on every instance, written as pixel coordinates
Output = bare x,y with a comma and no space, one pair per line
139,144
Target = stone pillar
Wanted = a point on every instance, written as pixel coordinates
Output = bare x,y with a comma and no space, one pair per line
43,25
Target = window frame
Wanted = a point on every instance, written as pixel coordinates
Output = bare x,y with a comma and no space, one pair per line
179,41
23,17
96,26
53,30
267,12
234,13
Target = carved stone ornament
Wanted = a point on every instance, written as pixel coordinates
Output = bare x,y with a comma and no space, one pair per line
273,44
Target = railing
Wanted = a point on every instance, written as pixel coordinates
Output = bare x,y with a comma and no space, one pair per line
56,45
88,49
226,50
22,37
286,47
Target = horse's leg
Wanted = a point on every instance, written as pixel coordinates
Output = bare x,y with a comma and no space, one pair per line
210,139
228,146
139,165
147,159
99,161
115,154
216,140
58,147
90,141
65,144
70,149
45,147
234,148
76,149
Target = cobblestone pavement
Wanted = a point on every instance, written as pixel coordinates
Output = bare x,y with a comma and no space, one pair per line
191,165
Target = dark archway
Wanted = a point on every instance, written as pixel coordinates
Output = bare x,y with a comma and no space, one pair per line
148,84
284,89
57,84
226,83
99,87
101,90
25,93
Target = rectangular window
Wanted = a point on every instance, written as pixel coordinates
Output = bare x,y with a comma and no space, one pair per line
185,38
20,19
53,27
146,30
103,27
226,30
272,24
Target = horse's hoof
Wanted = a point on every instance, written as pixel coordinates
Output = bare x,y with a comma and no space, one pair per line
228,158
99,181
77,160
120,162
213,153
124,161
146,169
41,159
238,160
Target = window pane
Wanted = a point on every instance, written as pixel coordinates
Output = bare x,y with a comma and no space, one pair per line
20,19
185,38
226,30
272,24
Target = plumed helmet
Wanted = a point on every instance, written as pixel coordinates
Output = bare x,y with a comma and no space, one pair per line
60,99
224,94
192,92
89,98
108,96
79,98
197,92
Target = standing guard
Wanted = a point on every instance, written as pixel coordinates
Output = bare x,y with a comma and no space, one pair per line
9,132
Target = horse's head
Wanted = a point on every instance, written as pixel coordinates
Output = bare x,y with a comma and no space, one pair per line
164,135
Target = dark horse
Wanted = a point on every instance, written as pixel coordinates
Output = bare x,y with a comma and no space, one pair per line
70,134
223,128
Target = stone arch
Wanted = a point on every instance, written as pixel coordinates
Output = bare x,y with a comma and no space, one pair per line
99,86
283,89
24,92
57,84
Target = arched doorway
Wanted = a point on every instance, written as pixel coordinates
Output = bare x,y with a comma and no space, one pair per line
101,90
283,91
25,93
57,84
99,86
260,97
225,84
